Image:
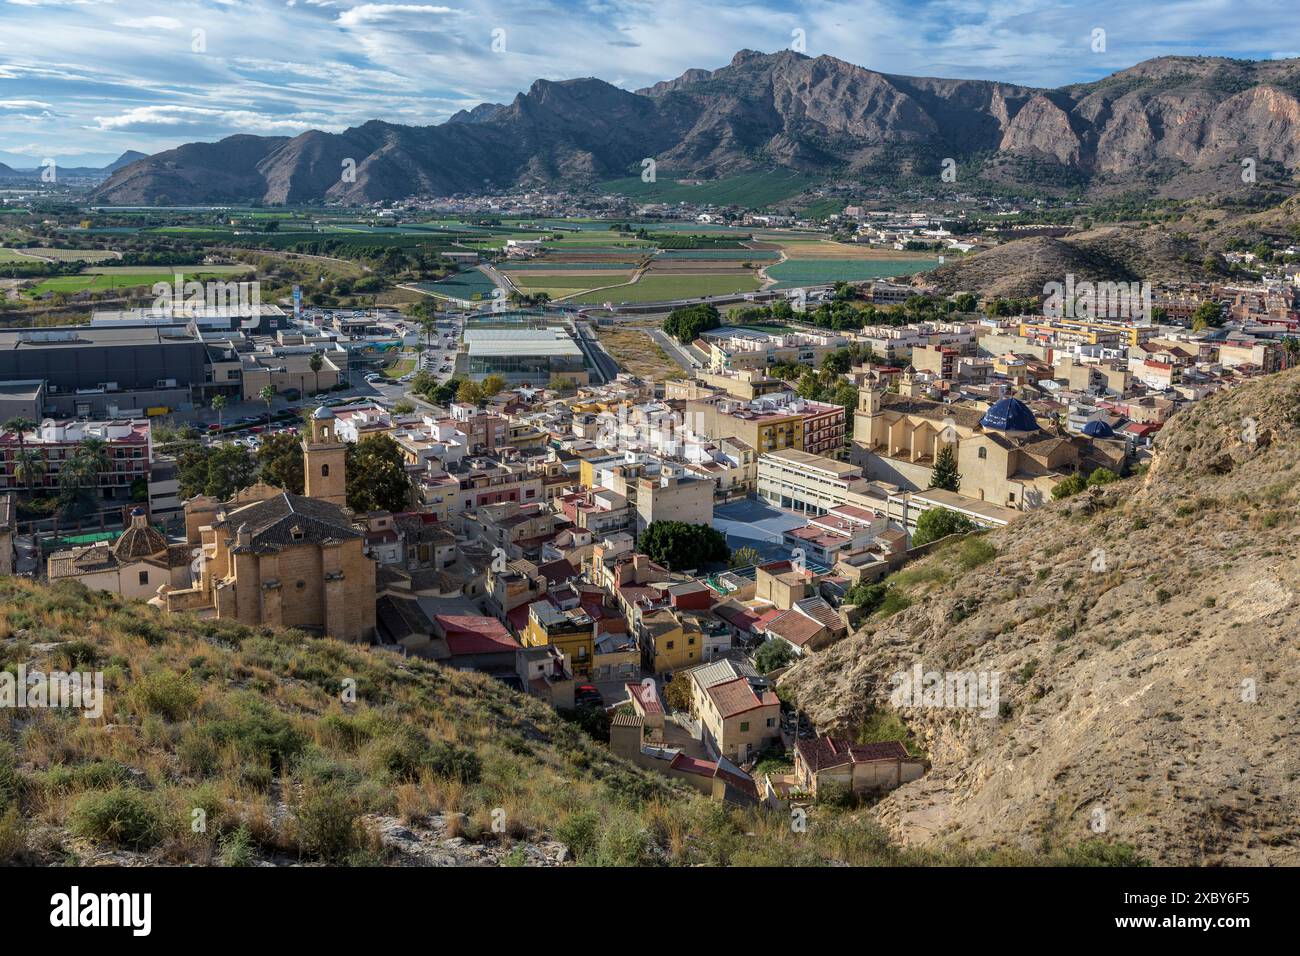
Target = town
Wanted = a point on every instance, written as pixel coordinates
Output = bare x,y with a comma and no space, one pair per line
479,482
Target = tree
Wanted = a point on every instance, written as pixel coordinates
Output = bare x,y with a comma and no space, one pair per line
1208,314
469,392
316,363
1102,476
867,597
686,324
21,426
773,654
1069,486
945,473
280,460
218,471
29,467
218,406
267,394
377,479
679,546
491,386
745,557
677,692
936,523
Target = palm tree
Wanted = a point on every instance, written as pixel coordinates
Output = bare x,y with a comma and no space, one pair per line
22,426
218,406
428,325
268,395
316,363
29,467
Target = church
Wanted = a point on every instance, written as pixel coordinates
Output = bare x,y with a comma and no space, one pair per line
1004,454
270,557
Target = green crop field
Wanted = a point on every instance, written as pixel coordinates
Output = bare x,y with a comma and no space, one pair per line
749,190
461,285
130,277
799,272
660,288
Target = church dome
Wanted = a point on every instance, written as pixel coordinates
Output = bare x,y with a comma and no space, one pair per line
1010,415
139,540
1098,429
322,414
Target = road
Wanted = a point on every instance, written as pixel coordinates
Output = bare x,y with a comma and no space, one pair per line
675,350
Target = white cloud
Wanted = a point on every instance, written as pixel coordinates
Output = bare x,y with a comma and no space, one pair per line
150,23
369,13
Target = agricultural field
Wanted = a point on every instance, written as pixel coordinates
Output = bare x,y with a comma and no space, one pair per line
664,287
828,249
793,273
747,190
130,277
58,255
461,285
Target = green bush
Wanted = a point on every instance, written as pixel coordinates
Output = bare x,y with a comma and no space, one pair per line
456,763
9,779
579,831
237,848
260,733
120,817
167,694
328,828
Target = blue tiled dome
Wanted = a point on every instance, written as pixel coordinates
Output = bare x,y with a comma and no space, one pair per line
1098,429
1010,415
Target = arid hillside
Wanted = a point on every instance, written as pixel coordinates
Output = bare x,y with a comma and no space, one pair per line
1148,651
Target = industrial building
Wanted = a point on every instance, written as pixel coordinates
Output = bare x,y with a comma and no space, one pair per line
524,356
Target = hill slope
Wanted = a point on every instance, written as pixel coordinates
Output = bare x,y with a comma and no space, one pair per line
1123,637
251,727
1166,118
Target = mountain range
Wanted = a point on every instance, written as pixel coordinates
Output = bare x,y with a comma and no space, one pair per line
82,172
1161,122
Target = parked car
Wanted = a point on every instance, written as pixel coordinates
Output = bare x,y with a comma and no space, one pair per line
588,696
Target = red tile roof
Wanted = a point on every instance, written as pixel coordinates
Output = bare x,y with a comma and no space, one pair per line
826,752
795,628
736,696
469,634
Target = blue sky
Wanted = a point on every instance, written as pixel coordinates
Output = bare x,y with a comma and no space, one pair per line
83,80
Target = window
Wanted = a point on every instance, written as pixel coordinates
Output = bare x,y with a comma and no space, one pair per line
669,645
984,452
324,471
144,578
744,727
771,721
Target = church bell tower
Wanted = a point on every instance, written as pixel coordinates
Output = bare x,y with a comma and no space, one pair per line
324,460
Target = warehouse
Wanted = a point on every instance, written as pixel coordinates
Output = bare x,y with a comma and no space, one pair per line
524,356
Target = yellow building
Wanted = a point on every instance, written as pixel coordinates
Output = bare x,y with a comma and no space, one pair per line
670,641
571,632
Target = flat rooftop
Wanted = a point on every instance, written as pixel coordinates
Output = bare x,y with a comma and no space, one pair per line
81,336
821,463
529,342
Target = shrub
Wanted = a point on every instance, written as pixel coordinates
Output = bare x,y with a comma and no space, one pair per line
454,763
78,654
974,552
578,831
167,694
772,655
237,848
13,835
327,824
121,817
260,733
9,780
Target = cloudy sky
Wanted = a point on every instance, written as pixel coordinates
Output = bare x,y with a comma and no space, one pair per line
84,80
